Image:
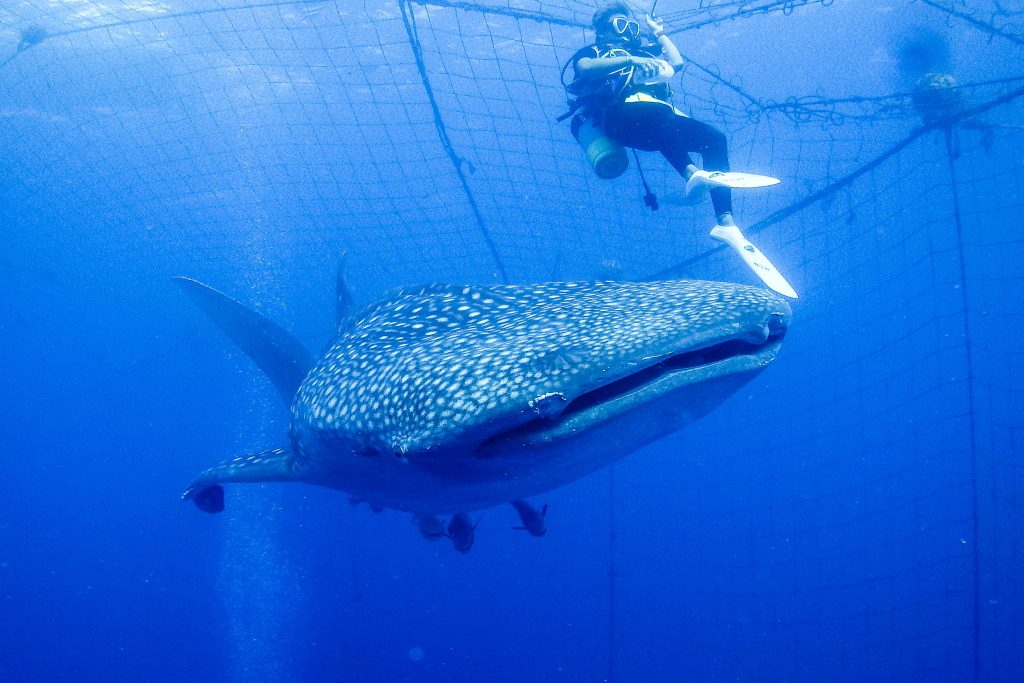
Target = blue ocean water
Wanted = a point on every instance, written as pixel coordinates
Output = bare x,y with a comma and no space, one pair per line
853,514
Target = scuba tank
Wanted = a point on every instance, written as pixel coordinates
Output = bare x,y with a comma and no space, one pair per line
589,97
607,157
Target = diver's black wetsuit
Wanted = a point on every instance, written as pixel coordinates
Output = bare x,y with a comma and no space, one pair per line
657,126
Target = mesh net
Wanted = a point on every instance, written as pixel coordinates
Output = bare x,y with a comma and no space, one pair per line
870,529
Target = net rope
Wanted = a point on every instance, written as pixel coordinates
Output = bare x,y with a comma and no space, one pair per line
425,130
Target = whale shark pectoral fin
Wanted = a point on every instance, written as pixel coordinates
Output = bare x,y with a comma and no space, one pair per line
282,357
273,465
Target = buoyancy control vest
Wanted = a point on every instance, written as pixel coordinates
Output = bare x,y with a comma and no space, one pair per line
590,97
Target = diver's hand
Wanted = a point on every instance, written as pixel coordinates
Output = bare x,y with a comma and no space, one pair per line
656,25
646,68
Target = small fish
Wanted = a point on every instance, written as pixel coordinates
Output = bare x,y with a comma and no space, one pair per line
461,531
534,521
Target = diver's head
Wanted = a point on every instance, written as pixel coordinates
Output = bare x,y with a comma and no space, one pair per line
613,22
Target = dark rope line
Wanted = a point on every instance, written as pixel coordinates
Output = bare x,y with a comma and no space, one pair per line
180,15
160,17
518,14
991,104
11,58
735,88
807,201
454,4
539,17
830,189
972,429
976,23
802,109
810,199
784,6
903,95
442,133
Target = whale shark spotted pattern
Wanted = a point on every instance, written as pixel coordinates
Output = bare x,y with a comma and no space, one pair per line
433,365
444,399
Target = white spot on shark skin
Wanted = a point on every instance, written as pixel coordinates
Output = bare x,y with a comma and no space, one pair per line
482,353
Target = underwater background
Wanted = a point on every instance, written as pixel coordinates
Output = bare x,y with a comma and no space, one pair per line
853,514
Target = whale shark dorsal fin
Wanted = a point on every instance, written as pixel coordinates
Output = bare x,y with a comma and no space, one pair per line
344,303
282,357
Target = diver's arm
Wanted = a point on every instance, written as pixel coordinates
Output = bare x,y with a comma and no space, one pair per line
669,51
596,67
602,66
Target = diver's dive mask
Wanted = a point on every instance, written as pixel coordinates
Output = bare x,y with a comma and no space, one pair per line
626,27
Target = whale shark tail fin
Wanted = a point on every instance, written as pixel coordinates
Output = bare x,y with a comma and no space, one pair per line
273,465
282,357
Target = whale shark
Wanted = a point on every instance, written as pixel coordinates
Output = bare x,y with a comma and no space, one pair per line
444,399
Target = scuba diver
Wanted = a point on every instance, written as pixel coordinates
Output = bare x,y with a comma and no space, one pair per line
621,97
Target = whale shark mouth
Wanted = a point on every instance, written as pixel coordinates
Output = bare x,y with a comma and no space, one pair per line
748,352
714,355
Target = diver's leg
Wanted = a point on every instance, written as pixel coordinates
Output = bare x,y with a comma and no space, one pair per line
653,127
635,124
686,135
707,141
